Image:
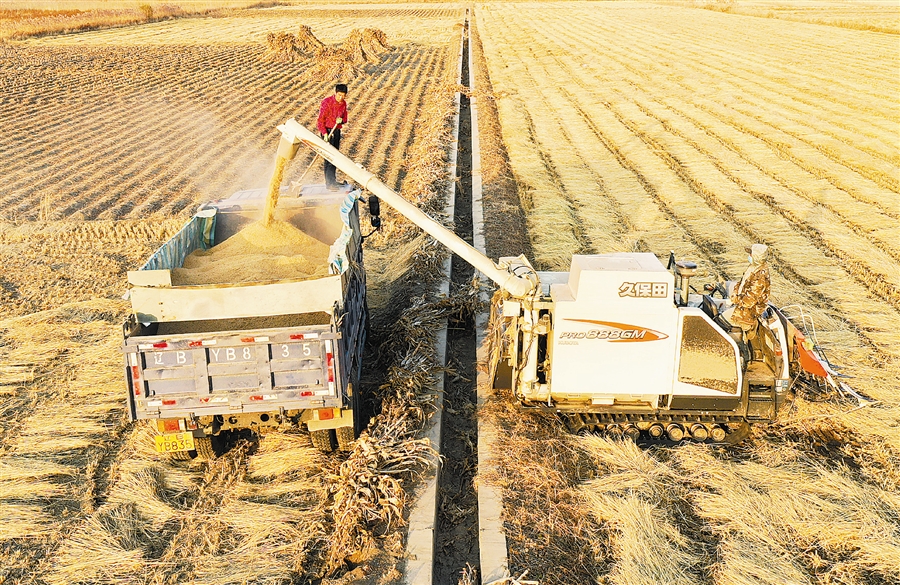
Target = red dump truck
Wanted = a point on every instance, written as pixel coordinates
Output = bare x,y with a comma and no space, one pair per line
203,360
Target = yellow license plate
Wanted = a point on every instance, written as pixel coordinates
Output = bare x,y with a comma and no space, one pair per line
175,442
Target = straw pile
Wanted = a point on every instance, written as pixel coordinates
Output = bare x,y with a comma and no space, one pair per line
256,254
307,42
282,47
331,64
363,46
366,45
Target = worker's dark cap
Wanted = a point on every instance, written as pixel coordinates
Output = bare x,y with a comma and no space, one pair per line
340,88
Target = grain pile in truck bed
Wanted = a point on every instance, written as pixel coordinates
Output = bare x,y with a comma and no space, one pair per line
254,254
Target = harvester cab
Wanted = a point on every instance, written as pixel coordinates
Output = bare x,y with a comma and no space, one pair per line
618,343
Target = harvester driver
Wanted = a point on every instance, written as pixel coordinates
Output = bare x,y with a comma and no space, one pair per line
751,295
332,117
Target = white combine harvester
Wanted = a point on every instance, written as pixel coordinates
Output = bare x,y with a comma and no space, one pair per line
618,343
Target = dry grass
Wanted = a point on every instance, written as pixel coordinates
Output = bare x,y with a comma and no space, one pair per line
110,547
25,521
49,264
21,23
863,16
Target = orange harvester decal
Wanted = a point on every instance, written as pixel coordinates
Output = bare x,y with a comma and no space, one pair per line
614,332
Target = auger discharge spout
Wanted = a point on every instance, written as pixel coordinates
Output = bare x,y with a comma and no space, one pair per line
293,134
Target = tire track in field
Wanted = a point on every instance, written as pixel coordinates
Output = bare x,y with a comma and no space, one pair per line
595,223
206,154
817,278
871,322
113,195
741,162
631,192
878,169
383,141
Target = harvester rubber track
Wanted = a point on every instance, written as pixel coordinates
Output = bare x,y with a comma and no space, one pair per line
702,428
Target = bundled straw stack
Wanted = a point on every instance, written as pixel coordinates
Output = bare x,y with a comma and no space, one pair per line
362,47
307,42
282,48
366,45
331,64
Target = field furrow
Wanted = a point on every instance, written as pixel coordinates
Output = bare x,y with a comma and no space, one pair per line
720,102
120,175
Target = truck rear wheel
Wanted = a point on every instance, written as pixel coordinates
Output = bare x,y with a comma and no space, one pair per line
345,438
323,440
207,447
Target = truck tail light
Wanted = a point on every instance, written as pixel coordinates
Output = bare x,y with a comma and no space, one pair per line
136,380
161,345
170,402
325,414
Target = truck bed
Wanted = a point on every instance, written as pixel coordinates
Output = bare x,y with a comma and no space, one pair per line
264,347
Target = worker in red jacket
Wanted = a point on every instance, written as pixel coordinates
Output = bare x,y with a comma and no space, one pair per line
332,116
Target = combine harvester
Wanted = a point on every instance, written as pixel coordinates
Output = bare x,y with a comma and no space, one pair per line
619,344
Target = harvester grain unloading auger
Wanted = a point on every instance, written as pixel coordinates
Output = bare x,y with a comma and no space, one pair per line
618,344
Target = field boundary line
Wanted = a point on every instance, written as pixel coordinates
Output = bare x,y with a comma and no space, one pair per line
420,538
494,556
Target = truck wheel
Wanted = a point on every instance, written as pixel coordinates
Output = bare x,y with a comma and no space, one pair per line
323,440
207,447
345,438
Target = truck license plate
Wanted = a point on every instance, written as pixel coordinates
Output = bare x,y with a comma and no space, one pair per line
175,442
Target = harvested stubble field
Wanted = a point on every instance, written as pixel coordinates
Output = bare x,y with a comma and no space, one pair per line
654,128
110,140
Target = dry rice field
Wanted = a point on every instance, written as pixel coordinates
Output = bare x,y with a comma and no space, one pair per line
110,139
611,127
645,127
